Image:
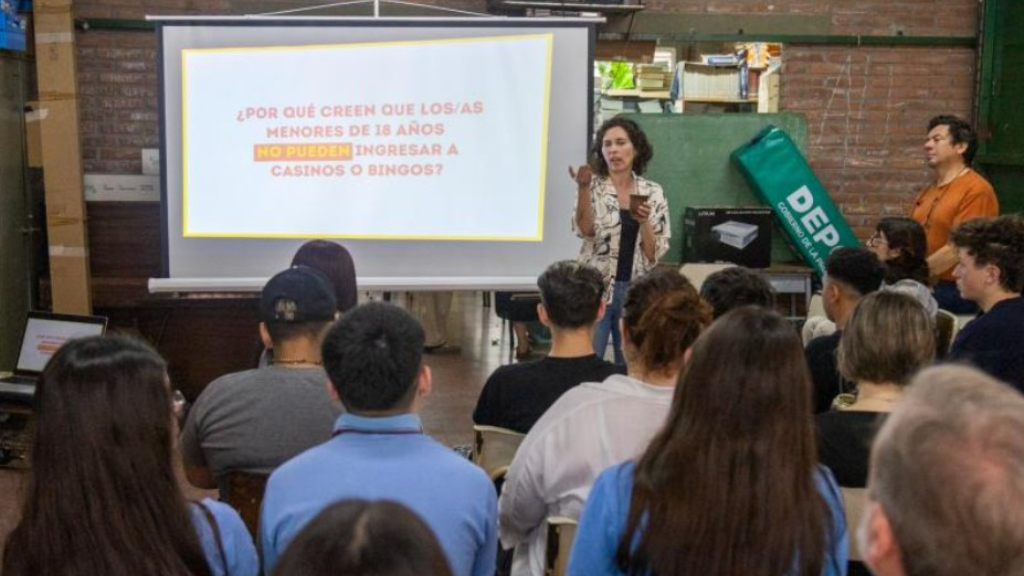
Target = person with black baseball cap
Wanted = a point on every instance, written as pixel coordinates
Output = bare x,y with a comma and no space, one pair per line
255,420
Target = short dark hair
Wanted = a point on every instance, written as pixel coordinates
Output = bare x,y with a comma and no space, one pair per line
373,356
362,537
281,332
571,293
998,241
642,147
734,287
857,268
960,132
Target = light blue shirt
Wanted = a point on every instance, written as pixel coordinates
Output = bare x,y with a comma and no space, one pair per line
386,458
604,520
236,552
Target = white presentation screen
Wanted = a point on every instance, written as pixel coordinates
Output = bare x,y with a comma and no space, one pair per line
431,149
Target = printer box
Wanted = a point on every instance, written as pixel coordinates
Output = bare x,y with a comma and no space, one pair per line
728,234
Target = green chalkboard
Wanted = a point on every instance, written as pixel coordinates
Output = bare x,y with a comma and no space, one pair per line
691,162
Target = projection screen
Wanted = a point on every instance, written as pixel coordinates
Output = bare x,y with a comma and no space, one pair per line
435,150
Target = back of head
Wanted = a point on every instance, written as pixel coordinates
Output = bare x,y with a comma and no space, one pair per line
571,293
734,287
335,263
739,429
297,303
103,421
960,132
998,241
907,236
887,339
663,315
372,356
360,538
948,471
857,269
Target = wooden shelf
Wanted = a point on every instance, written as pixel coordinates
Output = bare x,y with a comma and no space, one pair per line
720,100
634,93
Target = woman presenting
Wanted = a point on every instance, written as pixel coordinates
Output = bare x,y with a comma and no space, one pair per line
622,238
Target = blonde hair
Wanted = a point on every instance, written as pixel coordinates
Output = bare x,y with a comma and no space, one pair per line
888,337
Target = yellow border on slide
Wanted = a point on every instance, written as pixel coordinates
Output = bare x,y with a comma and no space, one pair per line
537,237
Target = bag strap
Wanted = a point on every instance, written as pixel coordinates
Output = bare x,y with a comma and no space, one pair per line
216,534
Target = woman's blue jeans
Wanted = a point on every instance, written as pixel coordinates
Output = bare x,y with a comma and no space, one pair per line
609,325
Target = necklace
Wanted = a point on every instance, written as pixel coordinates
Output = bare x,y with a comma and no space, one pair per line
297,362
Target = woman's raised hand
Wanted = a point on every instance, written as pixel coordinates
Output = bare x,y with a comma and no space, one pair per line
581,175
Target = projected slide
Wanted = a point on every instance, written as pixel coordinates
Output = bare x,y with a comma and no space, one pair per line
437,139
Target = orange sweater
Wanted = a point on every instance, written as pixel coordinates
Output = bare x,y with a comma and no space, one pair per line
940,208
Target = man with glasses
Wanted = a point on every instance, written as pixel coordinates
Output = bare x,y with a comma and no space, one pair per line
957,195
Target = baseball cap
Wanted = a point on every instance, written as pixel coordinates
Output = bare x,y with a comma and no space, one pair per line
298,294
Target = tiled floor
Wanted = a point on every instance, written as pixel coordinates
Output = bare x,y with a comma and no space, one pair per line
459,374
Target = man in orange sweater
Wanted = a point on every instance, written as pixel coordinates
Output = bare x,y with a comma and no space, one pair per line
957,195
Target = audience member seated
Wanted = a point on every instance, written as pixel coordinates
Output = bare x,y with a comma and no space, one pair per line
335,263
900,244
946,488
730,484
991,274
734,287
253,421
516,395
373,357
357,537
888,338
597,424
850,274
102,499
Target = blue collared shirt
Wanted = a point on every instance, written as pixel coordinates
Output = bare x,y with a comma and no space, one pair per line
387,458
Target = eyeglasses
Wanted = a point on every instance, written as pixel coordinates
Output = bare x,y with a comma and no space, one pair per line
875,240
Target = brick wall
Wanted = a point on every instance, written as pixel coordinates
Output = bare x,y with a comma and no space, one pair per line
866,107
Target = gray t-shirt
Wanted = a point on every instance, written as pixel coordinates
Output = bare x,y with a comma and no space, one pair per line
254,421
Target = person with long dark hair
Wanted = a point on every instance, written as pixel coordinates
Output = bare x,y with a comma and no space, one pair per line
335,263
621,216
102,499
730,486
356,537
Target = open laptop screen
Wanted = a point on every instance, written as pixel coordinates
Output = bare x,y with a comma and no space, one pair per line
45,333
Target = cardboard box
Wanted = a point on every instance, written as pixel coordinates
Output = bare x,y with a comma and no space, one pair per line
741,235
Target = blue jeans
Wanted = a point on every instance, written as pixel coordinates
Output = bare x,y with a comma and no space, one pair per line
609,325
948,296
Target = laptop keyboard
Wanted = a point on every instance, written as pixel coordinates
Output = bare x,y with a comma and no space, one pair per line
19,380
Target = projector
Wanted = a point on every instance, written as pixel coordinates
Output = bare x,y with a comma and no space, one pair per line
739,235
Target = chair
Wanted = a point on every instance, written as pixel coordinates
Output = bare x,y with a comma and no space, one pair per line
243,491
494,448
515,307
561,533
946,327
854,501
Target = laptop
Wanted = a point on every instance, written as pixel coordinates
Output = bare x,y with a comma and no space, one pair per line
45,332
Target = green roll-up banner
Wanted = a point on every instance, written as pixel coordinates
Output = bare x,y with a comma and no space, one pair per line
782,180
